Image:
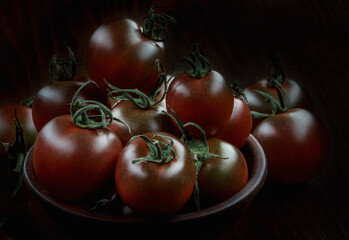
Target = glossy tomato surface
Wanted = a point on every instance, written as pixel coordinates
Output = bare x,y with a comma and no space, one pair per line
239,127
206,101
296,145
74,163
119,53
155,188
55,98
297,96
140,120
221,178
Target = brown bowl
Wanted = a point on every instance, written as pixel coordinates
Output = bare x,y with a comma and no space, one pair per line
212,222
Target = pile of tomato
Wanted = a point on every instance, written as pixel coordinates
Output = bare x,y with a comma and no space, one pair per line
159,140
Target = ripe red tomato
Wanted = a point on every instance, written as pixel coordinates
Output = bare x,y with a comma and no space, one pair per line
297,96
140,120
237,130
221,178
54,99
73,163
295,143
155,188
206,101
121,54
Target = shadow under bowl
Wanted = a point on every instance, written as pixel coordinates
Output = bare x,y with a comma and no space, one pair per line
212,222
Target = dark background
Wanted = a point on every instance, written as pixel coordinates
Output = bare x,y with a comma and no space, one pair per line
310,37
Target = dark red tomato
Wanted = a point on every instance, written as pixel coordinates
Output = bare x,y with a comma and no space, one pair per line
54,99
295,143
8,133
121,54
206,101
297,96
73,163
237,130
155,188
140,120
221,178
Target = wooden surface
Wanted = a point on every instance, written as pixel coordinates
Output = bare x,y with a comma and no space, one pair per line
311,38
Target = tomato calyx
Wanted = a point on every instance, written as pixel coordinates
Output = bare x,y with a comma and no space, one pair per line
159,152
200,65
276,77
63,70
143,100
79,111
199,148
238,92
275,106
154,25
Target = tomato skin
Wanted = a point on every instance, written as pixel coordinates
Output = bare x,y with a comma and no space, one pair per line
153,188
74,163
140,120
206,101
298,97
296,145
239,127
54,99
218,178
119,53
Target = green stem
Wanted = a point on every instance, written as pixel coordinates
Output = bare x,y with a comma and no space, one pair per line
200,66
63,70
154,25
159,152
79,111
142,100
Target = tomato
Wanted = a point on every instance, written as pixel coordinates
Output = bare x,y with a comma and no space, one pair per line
237,130
8,133
53,99
220,178
201,95
121,54
296,145
140,120
151,187
297,96
75,163
206,101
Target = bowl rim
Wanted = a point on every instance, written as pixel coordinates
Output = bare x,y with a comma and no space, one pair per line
254,184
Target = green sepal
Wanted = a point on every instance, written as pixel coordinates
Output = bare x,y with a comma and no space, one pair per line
159,152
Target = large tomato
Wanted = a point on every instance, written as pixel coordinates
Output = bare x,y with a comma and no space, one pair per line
53,99
201,95
140,120
221,177
152,187
120,53
296,145
237,130
75,163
